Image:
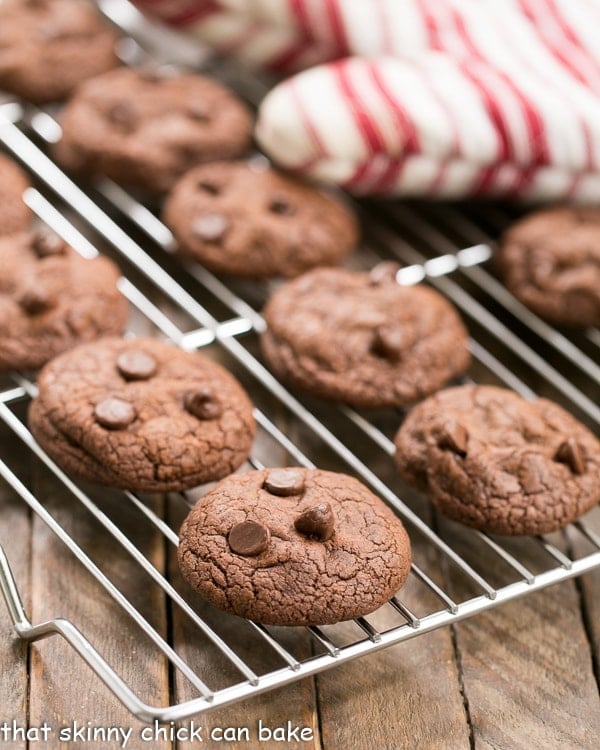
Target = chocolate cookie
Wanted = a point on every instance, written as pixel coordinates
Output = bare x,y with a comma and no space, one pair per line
145,129
551,262
494,461
363,339
52,299
47,47
14,214
141,414
248,220
294,547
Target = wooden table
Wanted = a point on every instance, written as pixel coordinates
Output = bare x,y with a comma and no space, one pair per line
523,675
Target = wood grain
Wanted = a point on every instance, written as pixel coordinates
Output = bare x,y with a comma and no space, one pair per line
526,666
589,587
15,538
63,689
407,696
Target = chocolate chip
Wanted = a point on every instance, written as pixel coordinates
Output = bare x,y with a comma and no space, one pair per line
202,403
46,243
569,452
281,206
136,365
454,437
149,75
199,112
284,482
209,187
249,538
211,227
35,299
384,272
114,413
124,115
317,522
388,343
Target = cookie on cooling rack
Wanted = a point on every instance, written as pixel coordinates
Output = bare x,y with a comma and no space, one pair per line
550,261
142,415
362,339
52,299
14,214
496,462
294,547
146,128
47,47
246,219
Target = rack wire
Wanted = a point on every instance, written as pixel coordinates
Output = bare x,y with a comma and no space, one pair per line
448,247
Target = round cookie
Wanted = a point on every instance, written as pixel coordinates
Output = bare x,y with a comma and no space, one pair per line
52,299
496,462
362,339
145,129
294,547
14,214
248,220
142,415
47,47
550,261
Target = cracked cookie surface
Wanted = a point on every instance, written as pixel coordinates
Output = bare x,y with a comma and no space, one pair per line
14,213
52,299
142,414
248,220
550,261
496,462
48,47
294,547
145,129
362,339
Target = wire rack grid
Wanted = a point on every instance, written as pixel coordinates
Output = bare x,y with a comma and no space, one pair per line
446,246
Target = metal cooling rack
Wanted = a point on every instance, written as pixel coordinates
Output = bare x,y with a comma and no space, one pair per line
510,346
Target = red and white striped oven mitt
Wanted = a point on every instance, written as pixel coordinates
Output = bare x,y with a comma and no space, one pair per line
438,98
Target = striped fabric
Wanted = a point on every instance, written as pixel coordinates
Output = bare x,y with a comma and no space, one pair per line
440,98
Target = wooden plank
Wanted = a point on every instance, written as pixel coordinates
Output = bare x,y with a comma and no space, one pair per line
63,689
526,666
15,538
404,696
589,587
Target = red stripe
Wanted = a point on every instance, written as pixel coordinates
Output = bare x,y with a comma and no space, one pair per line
337,27
569,54
435,184
567,62
354,182
540,153
575,43
390,177
360,111
191,15
302,18
435,37
288,59
456,147
306,120
385,25
405,124
471,70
